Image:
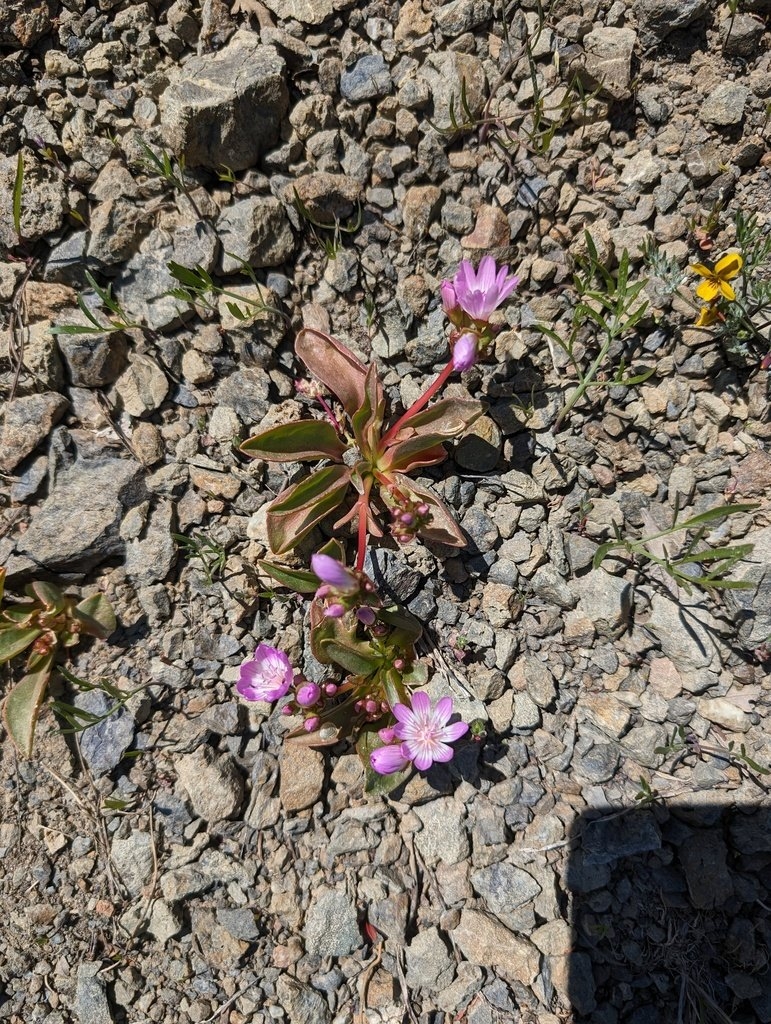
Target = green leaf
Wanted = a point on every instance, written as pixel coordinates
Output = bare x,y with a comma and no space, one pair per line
714,515
407,625
334,365
96,615
601,553
298,509
367,421
15,639
334,549
296,442
299,580
48,595
22,705
356,660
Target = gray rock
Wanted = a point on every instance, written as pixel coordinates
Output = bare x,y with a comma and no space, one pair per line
104,744
741,35
302,1004
27,422
116,227
166,920
525,713
328,197
133,860
684,629
752,607
368,79
99,490
480,447
142,387
704,860
93,360
392,575
605,599
213,783
641,742
255,230
659,18
445,72
459,16
608,840
331,925
240,922
28,482
486,942
246,392
428,963
548,585
44,198
443,837
724,105
91,1005
598,764
308,12
149,558
504,887
481,529
608,62
226,108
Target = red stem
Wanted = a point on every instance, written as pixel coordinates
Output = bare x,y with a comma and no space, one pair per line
424,399
363,505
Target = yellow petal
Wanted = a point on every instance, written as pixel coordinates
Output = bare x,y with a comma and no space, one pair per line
707,316
729,266
709,290
701,268
727,291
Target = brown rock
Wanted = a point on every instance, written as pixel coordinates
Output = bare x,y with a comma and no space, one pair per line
491,231
328,197
302,776
421,205
753,474
27,422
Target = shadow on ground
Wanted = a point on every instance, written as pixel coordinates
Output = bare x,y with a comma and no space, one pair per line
671,915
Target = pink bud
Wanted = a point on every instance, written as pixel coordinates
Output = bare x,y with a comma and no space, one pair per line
387,735
407,518
308,695
449,298
334,611
288,709
371,707
423,509
330,571
330,689
464,355
311,724
399,664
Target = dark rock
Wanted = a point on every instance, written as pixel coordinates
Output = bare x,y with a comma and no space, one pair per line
104,744
255,230
77,526
26,423
226,108
368,79
93,360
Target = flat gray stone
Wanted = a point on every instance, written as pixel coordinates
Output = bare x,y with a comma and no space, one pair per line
27,422
91,1005
331,925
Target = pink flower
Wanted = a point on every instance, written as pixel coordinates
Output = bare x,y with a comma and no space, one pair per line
267,675
464,354
479,292
334,574
308,694
390,759
425,731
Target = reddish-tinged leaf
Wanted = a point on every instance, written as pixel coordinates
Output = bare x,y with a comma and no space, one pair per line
299,508
418,451
15,639
334,365
367,422
96,616
304,440
446,418
443,528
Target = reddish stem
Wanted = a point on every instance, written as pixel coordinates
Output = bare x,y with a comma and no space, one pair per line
363,506
424,399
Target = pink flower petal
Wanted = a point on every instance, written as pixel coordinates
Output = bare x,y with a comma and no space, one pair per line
421,703
443,710
402,713
387,760
454,731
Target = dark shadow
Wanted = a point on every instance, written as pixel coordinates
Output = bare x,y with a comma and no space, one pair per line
671,915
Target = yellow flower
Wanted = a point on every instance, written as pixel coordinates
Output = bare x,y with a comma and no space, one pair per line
715,285
708,315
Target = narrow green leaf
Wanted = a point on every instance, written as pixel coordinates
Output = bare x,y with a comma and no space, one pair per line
357,662
375,784
14,640
299,580
296,442
18,188
714,515
22,705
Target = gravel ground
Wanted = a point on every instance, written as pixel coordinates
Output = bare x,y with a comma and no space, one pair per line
179,862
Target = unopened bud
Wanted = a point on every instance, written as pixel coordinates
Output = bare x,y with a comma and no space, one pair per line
308,695
334,611
311,724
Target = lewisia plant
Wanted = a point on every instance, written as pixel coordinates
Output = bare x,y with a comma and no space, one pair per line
364,460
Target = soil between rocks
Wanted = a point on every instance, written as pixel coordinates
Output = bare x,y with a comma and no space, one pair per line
178,862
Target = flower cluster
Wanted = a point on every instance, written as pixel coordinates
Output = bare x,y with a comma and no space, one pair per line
408,517
422,736
268,676
469,300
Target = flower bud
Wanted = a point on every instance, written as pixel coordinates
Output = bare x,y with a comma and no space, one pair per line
311,724
464,354
308,695
334,611
330,689
365,615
